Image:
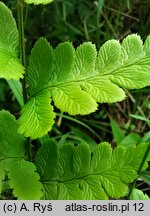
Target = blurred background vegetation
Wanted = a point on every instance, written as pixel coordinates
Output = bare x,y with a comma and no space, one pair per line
78,21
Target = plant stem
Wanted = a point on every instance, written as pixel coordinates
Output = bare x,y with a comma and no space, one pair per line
29,148
140,168
86,30
20,7
60,120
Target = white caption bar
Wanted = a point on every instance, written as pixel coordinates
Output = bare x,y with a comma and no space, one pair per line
72,208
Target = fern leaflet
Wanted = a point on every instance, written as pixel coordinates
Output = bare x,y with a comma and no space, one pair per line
138,195
10,66
23,178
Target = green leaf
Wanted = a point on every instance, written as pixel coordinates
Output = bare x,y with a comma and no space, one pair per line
92,189
11,143
64,56
16,88
145,175
109,58
100,5
23,178
147,46
114,187
36,2
118,133
138,195
85,61
37,116
101,157
131,139
146,137
77,172
132,49
78,79
40,66
68,190
46,157
133,73
125,166
140,152
139,117
147,104
2,176
83,136
44,139
98,89
10,66
70,98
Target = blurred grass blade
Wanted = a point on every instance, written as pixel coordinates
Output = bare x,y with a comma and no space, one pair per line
131,139
145,175
147,104
117,132
145,90
73,28
128,4
139,117
100,5
146,137
16,88
63,140
84,137
81,123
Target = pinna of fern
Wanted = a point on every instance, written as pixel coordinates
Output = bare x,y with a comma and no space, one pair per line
69,171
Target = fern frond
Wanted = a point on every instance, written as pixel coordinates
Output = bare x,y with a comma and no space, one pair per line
76,172
77,80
